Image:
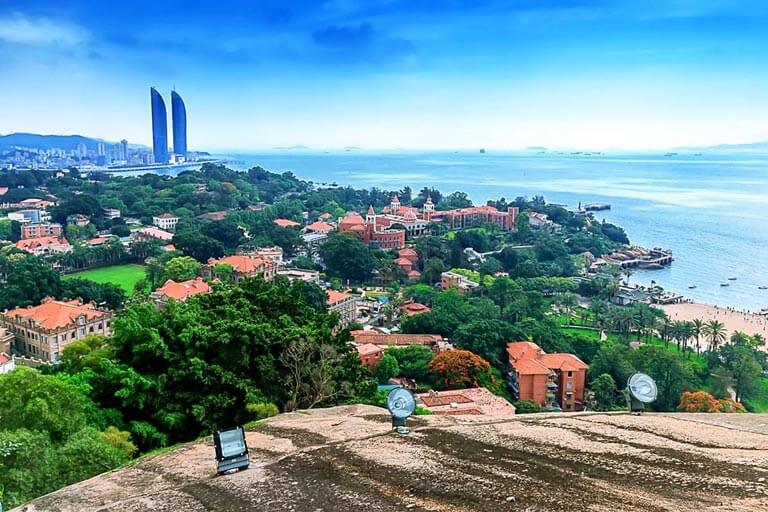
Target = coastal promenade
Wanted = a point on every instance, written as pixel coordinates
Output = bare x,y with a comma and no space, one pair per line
734,320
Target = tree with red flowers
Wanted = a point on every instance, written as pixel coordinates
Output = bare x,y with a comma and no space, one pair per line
459,369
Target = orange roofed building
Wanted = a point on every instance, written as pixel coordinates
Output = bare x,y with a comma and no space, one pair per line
180,291
344,304
44,331
546,378
243,266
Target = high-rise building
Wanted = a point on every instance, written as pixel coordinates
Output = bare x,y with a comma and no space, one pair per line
179,123
123,149
100,149
159,127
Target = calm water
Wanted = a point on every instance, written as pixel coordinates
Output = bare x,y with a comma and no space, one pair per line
711,210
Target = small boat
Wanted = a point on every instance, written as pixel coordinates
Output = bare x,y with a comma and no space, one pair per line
725,284
763,287
732,278
693,286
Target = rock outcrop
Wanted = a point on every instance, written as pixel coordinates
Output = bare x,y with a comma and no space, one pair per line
346,459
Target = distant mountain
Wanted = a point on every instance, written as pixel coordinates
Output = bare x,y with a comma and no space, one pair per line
752,146
37,141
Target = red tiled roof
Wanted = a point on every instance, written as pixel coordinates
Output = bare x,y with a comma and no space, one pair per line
286,223
241,264
522,349
322,227
376,338
562,361
53,314
404,262
184,289
3,357
530,367
413,274
167,216
416,309
32,244
154,232
335,297
406,252
99,240
351,219
368,349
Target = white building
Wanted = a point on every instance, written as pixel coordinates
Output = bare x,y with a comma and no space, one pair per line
7,363
166,221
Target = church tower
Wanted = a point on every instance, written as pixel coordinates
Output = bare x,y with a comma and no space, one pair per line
429,209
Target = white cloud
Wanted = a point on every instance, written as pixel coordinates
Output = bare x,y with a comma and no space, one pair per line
20,29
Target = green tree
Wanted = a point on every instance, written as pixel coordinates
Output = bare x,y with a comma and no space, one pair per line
413,362
194,366
604,388
715,333
346,257
182,268
387,368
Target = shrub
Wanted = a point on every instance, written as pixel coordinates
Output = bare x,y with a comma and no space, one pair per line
701,401
526,407
730,405
261,410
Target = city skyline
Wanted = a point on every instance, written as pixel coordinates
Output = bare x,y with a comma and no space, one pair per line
395,74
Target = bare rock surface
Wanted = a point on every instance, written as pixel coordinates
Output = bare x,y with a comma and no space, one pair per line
346,459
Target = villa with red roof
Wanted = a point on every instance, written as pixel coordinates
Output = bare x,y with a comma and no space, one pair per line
243,265
415,308
44,245
320,227
363,337
344,304
286,223
370,355
534,373
179,291
44,331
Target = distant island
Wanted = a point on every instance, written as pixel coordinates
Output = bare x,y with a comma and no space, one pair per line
297,146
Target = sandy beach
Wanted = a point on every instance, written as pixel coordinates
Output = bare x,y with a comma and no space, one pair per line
734,320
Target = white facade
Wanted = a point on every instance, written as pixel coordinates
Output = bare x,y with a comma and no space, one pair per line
166,221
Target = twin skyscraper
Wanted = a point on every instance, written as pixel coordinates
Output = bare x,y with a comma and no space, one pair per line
160,126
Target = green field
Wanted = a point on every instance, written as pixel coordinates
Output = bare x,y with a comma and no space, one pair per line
124,276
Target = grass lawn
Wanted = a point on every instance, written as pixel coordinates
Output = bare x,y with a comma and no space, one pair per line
125,276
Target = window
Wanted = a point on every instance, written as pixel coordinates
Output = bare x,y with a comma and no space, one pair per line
569,384
570,373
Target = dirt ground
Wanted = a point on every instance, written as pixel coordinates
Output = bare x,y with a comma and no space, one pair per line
346,459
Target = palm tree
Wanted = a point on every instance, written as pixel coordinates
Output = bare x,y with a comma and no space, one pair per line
715,334
682,332
698,327
665,329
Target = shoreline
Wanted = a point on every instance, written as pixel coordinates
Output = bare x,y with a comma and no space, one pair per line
733,319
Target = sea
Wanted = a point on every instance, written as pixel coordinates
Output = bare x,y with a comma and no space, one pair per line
710,209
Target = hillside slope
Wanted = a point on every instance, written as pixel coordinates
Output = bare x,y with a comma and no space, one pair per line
345,459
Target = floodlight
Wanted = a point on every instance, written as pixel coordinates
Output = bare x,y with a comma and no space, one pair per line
231,450
401,404
642,390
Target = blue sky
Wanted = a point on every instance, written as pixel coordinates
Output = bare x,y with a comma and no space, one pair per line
392,74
